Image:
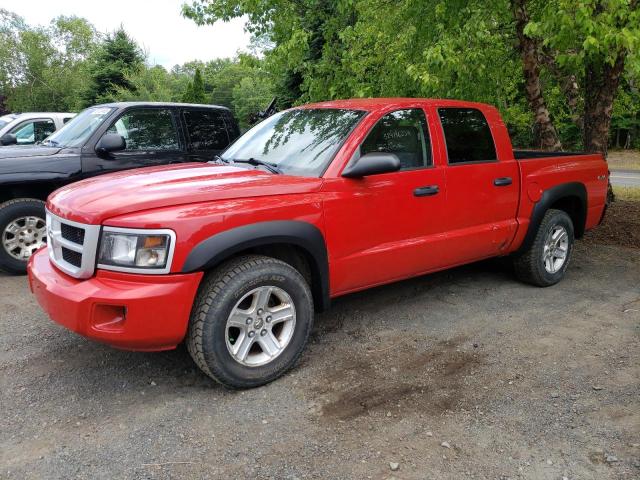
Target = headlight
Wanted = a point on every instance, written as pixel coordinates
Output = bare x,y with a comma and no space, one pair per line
146,251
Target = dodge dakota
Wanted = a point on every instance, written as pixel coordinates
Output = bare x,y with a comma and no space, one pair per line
234,256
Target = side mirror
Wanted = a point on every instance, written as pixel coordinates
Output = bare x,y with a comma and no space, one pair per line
372,164
9,139
111,142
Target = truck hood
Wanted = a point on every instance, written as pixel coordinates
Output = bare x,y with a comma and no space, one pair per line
96,199
25,152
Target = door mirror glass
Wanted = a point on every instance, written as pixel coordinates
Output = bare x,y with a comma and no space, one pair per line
372,164
111,142
9,139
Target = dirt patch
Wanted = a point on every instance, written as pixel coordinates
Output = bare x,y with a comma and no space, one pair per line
400,375
621,226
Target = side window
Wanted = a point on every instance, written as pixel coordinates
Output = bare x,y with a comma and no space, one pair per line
206,130
405,133
34,131
66,119
468,135
147,129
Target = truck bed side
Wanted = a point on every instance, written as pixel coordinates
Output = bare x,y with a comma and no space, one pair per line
556,180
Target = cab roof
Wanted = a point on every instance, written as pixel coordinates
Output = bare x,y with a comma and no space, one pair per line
159,104
371,104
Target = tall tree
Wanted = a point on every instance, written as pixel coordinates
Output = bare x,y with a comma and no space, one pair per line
546,135
594,42
194,92
117,56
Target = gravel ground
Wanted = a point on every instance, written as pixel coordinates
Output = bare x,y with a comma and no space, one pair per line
462,374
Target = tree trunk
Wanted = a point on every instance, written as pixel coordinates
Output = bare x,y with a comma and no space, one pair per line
547,135
601,86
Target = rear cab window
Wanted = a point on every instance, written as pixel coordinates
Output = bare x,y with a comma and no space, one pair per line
467,135
206,129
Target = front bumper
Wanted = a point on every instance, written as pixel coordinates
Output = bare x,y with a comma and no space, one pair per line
129,311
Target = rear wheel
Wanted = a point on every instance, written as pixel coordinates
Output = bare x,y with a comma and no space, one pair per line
546,261
251,321
23,230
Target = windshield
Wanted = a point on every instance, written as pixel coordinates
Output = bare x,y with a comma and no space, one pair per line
78,130
6,119
297,142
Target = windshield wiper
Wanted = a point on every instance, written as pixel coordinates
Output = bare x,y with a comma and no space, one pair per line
219,159
256,162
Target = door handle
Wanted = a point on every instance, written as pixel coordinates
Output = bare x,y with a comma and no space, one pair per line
426,191
502,181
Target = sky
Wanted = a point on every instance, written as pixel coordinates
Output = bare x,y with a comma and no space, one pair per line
157,26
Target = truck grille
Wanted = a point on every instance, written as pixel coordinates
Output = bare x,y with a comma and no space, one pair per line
74,258
71,233
72,246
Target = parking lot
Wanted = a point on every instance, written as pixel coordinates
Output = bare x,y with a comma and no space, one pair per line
462,374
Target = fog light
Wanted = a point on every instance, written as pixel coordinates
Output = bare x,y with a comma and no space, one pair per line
109,318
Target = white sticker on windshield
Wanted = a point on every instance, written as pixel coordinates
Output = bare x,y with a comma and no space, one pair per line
99,111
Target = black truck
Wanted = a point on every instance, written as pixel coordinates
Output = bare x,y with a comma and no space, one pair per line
101,139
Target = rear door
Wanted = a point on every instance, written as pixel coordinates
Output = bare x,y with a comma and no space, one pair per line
152,138
205,132
482,184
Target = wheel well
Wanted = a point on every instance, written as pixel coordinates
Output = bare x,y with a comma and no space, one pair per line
574,207
295,256
12,193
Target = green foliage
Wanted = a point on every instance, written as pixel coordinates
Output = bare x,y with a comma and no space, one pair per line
116,57
465,49
44,68
327,49
194,92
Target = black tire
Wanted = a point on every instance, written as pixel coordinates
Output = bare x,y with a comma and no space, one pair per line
219,293
529,267
10,211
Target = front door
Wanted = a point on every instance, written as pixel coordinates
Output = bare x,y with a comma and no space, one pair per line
151,137
388,226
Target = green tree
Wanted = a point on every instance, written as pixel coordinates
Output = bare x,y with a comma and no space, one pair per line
194,92
117,57
553,67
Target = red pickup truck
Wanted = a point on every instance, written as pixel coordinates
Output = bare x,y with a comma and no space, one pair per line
315,202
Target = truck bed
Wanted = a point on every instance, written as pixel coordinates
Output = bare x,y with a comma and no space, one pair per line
529,154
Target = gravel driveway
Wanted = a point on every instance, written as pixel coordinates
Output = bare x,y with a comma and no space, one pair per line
462,374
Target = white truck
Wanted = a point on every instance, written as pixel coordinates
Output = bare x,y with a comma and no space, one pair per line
30,128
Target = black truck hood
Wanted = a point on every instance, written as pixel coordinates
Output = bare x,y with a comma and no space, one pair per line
38,164
28,151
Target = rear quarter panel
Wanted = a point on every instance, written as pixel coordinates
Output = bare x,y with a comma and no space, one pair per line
540,174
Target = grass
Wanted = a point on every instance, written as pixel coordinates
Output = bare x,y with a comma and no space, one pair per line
631,194
624,159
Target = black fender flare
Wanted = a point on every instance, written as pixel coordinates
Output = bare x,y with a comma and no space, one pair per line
217,248
549,197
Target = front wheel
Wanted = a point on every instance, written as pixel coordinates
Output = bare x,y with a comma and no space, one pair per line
250,322
23,230
546,261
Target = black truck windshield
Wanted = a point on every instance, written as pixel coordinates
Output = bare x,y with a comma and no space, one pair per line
296,142
78,130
